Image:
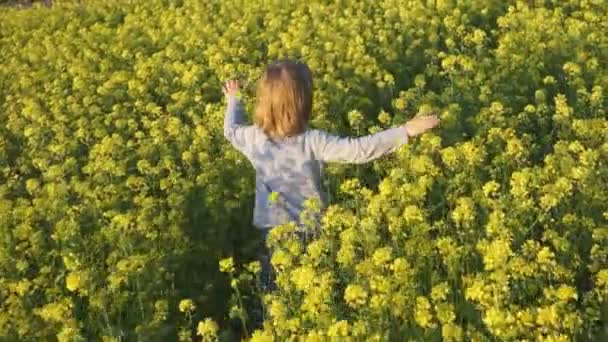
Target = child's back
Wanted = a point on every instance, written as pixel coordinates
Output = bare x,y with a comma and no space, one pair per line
288,156
292,166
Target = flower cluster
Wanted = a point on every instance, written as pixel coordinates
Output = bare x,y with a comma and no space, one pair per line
118,193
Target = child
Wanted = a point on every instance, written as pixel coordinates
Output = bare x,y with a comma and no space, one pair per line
287,155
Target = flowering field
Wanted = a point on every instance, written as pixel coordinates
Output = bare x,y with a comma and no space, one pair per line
119,195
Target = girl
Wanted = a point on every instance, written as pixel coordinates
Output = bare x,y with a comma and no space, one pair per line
287,155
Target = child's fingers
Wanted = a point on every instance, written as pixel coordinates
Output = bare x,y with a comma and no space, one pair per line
230,86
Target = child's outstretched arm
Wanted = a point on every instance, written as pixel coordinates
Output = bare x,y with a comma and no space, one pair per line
331,148
241,136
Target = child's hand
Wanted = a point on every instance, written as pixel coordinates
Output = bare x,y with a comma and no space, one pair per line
421,124
231,88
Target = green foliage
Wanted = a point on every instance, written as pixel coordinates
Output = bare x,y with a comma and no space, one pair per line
119,194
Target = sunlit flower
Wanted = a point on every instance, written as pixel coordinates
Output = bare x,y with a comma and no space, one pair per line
207,329
355,295
186,305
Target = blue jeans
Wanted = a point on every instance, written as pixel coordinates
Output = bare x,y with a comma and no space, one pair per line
267,277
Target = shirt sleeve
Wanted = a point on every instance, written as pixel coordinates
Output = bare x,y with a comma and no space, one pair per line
240,135
331,148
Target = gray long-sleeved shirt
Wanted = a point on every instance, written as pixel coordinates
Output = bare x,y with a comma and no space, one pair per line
292,166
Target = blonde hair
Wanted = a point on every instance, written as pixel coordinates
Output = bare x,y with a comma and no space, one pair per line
284,99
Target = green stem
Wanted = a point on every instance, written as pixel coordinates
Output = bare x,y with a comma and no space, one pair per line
242,307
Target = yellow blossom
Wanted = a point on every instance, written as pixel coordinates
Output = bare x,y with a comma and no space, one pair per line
254,267
280,259
545,256
227,265
303,277
496,253
355,295
382,256
207,329
451,332
338,329
548,316
566,293
423,314
262,336
186,305
490,188
445,313
440,292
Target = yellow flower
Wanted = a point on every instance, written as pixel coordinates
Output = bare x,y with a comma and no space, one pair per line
548,316
476,291
338,329
281,259
22,287
400,103
464,213
273,197
555,338
384,117
515,148
55,311
602,278
355,295
519,183
303,277
526,318
72,281
490,188
402,269
446,246
382,256
449,157
445,313
207,329
76,281
472,153
69,333
316,249
451,332
354,118
360,328
186,305
572,68
566,293
254,267
350,186
496,253
346,255
596,95
378,302
440,292
496,319
413,214
386,187
495,225
291,325
545,256
261,336
227,265
278,311
423,314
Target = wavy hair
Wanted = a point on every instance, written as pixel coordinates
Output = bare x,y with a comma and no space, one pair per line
284,99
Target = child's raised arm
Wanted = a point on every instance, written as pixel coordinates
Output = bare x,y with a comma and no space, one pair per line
240,135
331,148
